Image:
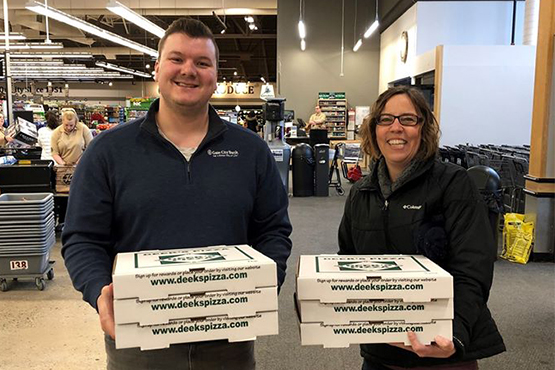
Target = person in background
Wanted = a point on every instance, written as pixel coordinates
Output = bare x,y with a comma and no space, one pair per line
317,120
96,116
45,135
4,139
251,121
412,203
179,177
70,139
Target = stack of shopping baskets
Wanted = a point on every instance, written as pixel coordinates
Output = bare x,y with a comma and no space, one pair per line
26,237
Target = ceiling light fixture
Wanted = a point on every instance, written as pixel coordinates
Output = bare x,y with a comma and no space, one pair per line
36,63
70,20
220,21
72,76
51,55
301,25
374,26
123,69
357,45
34,45
14,36
118,8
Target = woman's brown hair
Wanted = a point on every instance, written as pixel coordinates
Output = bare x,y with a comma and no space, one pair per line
429,144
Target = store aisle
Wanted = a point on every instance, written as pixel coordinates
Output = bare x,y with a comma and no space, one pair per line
54,329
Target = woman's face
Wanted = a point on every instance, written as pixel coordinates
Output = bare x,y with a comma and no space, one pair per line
69,124
399,144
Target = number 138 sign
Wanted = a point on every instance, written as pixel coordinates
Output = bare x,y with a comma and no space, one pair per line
19,265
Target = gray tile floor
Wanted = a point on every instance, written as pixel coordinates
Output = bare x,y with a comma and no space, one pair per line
54,329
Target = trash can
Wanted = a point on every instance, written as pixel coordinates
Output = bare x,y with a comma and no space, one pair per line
322,169
303,171
488,183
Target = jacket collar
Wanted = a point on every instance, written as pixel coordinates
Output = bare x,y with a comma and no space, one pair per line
370,182
216,125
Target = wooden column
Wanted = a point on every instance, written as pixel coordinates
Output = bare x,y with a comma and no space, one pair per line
540,178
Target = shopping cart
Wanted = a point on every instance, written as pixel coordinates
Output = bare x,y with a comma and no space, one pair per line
345,154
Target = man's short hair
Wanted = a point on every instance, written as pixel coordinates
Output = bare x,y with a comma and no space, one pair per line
192,28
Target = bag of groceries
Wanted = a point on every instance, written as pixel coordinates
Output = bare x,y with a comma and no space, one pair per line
518,236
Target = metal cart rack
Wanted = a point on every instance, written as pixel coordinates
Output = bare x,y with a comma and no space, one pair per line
26,237
347,154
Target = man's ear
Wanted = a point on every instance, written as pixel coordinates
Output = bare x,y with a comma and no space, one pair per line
156,68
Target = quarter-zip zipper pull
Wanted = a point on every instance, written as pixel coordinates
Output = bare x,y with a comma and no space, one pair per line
385,205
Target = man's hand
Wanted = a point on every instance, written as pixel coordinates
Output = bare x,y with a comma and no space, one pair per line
441,348
105,305
9,139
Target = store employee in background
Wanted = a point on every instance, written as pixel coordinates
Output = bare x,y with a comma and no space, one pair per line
180,177
317,120
70,139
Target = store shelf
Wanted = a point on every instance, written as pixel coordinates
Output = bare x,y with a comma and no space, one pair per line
336,116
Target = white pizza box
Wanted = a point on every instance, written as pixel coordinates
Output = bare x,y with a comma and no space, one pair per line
197,330
343,335
375,310
162,311
161,273
334,278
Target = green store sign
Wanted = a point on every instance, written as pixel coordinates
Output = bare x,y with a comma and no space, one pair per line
331,95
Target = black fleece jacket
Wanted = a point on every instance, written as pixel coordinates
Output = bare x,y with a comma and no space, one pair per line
439,213
133,190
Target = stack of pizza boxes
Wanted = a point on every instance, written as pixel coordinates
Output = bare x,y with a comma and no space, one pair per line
343,300
163,297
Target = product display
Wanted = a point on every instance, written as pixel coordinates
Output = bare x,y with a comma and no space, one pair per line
343,300
191,295
23,132
334,106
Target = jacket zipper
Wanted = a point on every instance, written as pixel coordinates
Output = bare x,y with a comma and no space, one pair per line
385,218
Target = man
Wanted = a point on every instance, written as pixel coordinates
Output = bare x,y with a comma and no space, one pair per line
317,120
179,177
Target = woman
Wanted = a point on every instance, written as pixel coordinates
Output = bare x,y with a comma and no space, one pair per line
45,135
70,139
412,203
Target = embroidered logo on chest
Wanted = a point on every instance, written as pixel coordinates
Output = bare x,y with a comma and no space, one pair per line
223,153
410,206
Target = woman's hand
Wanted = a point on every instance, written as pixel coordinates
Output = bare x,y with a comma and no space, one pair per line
441,348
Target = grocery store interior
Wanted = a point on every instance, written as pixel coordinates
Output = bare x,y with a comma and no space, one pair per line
485,67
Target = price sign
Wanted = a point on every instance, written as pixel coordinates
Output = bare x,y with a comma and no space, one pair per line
19,265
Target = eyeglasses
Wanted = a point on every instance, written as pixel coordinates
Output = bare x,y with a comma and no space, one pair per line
404,119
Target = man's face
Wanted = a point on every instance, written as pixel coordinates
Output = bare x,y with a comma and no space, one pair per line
186,71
